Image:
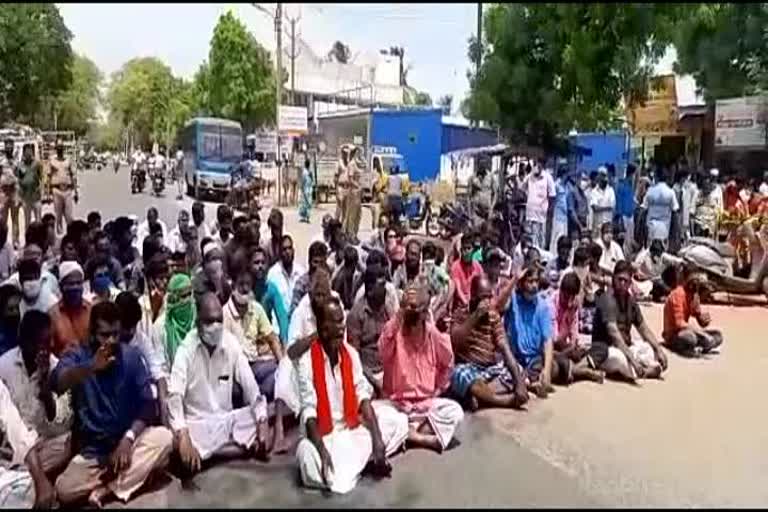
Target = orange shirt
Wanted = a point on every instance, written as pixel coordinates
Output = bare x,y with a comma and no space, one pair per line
70,327
677,311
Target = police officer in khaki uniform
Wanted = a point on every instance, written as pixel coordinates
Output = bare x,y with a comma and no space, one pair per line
9,196
353,208
342,179
63,180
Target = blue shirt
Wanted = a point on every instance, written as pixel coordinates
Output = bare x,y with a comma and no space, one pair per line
529,326
270,299
625,198
578,206
561,201
108,402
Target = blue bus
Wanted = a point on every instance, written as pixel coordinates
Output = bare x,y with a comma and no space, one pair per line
211,148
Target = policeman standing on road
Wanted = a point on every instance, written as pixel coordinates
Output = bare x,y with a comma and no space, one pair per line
63,180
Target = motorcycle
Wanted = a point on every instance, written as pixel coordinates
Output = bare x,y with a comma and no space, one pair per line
416,215
716,260
454,220
158,181
138,178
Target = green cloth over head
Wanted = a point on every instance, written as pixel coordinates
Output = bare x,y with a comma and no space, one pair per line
180,313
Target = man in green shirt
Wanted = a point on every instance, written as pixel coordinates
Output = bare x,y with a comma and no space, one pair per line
28,174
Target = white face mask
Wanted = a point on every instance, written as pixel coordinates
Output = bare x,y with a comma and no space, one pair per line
32,289
212,334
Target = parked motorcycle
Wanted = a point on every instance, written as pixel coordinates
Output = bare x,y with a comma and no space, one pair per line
716,261
454,219
417,214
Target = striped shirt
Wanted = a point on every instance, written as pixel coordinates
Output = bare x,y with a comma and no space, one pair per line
482,343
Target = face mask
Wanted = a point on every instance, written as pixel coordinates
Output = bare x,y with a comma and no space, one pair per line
101,284
212,334
583,184
241,299
72,296
31,289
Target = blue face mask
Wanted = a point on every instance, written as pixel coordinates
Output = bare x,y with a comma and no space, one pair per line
72,296
101,284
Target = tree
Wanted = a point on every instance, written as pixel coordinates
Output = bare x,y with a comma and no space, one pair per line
35,58
339,52
548,68
414,97
144,96
77,105
724,47
446,103
239,76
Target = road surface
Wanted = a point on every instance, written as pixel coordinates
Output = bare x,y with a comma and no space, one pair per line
697,439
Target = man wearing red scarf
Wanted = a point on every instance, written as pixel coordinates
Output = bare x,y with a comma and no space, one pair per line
341,429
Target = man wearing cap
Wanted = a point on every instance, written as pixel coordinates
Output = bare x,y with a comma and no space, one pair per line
602,201
70,317
63,180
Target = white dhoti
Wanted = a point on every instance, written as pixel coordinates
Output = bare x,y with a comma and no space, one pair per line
16,489
209,435
287,384
640,350
350,450
444,416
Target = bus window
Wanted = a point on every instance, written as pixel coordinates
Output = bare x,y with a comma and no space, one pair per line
231,144
211,149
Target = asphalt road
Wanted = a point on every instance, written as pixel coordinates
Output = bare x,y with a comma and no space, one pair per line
697,439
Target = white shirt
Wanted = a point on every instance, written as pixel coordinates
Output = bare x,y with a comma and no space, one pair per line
285,282
160,364
308,395
174,242
12,426
303,322
143,232
155,359
602,198
763,189
610,256
203,231
201,384
24,390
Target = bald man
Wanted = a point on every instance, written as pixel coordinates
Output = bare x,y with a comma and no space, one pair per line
418,361
206,366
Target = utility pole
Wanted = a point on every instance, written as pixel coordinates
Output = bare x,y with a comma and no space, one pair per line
479,35
279,95
294,53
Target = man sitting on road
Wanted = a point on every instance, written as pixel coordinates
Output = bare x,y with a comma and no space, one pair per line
365,323
318,254
680,334
207,366
25,372
342,431
268,295
247,321
113,401
418,361
479,376
613,349
568,343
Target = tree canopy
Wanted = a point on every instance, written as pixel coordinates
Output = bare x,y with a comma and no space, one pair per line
725,47
339,52
238,81
78,104
548,68
35,59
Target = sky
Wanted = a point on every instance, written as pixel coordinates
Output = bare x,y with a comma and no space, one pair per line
434,36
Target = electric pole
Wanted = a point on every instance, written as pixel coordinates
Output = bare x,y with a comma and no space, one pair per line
294,53
279,95
479,35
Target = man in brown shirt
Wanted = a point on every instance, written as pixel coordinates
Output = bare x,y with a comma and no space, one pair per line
479,376
365,323
64,184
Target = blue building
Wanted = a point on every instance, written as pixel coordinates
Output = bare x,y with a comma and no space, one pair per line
606,148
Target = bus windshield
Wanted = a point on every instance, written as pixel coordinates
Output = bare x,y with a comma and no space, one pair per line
220,143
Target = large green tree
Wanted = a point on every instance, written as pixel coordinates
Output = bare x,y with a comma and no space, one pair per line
77,106
548,68
725,47
149,101
239,75
35,58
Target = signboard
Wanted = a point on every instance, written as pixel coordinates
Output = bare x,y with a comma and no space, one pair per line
741,122
292,120
263,142
659,114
